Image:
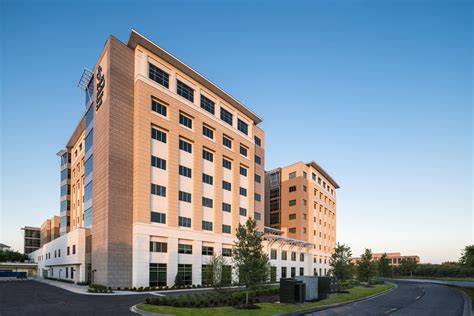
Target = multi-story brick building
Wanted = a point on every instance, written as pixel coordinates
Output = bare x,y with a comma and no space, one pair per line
163,166
49,230
301,203
31,239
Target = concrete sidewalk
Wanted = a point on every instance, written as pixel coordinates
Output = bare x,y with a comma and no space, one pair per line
82,289
443,282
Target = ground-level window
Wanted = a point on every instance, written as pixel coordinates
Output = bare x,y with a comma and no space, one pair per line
185,271
157,274
301,271
283,272
293,272
273,274
206,275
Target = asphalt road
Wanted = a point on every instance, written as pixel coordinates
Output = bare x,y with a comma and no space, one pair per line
35,298
409,298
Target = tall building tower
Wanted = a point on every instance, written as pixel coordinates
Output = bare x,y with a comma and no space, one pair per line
301,203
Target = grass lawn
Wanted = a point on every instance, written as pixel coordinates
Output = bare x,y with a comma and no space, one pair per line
438,278
270,308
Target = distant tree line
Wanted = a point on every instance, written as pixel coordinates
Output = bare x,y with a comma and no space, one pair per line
367,270
12,256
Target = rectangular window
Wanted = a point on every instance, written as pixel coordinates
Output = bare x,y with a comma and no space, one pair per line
158,274
158,217
258,141
184,221
158,107
292,216
208,132
257,197
242,126
313,176
301,257
207,179
206,202
207,104
185,271
292,175
293,256
185,248
227,142
292,230
273,254
226,207
283,255
158,190
243,211
243,191
273,274
207,226
243,171
243,151
226,116
258,160
184,196
68,251
158,135
185,171
226,252
158,75
292,188
207,251
258,179
292,202
226,185
184,90
225,229
226,163
186,121
184,145
157,246
207,155
73,249
283,272
301,271
158,162
257,216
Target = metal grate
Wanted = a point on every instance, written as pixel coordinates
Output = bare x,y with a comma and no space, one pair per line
85,78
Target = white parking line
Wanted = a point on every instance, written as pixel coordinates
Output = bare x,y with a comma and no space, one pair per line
418,297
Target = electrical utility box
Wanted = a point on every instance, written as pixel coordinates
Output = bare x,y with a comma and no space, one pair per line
311,284
292,291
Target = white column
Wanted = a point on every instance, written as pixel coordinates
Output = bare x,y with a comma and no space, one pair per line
141,260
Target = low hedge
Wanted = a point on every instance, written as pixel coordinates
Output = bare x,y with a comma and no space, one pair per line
213,299
98,288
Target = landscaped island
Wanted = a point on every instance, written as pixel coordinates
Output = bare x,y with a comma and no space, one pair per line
203,303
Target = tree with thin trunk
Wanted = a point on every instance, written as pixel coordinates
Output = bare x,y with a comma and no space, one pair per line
341,266
250,261
383,266
366,267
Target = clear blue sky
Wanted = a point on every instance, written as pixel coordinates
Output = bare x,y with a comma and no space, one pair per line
377,92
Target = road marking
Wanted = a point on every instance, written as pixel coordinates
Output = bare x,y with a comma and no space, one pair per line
157,294
418,297
392,310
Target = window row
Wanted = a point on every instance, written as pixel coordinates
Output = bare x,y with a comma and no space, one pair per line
182,89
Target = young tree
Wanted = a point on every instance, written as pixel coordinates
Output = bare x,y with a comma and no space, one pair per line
341,265
383,266
250,260
178,280
407,266
467,256
366,267
216,273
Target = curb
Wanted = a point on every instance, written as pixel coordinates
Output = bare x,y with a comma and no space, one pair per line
136,310
321,308
467,306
